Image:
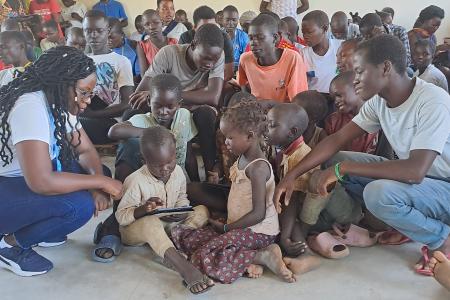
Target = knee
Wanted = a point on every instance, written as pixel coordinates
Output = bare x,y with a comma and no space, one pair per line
201,211
150,223
378,196
83,207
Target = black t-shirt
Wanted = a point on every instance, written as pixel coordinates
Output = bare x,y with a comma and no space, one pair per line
188,37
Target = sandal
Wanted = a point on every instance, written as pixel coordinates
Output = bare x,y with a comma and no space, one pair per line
111,242
204,280
386,235
426,258
328,246
355,236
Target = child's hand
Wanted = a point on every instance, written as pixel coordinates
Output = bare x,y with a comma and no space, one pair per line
174,218
217,225
101,201
293,249
152,204
138,100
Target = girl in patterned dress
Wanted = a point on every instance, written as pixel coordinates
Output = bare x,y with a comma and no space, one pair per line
246,242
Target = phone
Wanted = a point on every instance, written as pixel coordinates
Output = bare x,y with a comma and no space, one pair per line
171,211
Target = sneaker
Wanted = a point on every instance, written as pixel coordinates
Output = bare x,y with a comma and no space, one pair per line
56,242
24,262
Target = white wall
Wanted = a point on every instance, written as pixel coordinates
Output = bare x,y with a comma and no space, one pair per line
406,10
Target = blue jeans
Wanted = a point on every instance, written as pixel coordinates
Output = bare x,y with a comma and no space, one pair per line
34,218
419,211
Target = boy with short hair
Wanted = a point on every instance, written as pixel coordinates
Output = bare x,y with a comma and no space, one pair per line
320,54
114,9
181,17
114,80
422,57
238,37
160,183
171,28
75,38
120,44
52,37
344,55
293,30
341,29
139,33
246,18
13,51
270,72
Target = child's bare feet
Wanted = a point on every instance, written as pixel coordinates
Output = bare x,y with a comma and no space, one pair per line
272,258
440,265
254,271
302,264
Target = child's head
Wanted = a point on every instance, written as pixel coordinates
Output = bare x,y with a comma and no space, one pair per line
375,62
230,18
75,38
207,47
422,54
314,103
243,125
263,35
339,25
246,18
13,47
283,29
181,16
315,27
116,34
430,18
166,10
240,97
50,29
138,24
96,30
286,123
371,26
10,24
343,93
165,98
344,55
158,150
151,22
390,11
219,18
292,26
204,15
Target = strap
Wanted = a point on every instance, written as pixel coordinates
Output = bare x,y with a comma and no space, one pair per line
169,27
259,159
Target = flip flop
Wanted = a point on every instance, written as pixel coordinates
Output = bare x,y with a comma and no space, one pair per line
111,242
328,246
355,236
390,233
204,280
426,258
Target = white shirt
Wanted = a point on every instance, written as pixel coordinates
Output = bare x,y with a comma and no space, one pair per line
66,13
113,72
284,8
321,69
421,122
435,76
136,36
8,75
176,32
29,120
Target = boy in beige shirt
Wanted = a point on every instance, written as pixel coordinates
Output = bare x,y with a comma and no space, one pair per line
160,183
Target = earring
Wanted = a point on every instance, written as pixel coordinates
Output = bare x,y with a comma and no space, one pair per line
76,99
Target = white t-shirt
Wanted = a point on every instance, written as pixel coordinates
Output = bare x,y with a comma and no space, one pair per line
136,36
421,122
284,8
66,13
321,69
29,120
176,32
113,72
435,76
8,75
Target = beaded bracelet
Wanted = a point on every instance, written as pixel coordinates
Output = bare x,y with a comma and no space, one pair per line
337,172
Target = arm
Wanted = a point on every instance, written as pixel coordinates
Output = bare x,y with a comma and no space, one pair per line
143,63
114,110
288,218
124,130
209,95
304,7
263,6
229,72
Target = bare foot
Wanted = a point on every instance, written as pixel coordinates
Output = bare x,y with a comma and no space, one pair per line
302,264
440,265
254,271
272,258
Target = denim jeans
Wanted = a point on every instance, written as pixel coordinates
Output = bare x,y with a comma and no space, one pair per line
35,218
419,211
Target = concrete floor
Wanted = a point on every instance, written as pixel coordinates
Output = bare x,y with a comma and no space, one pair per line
376,273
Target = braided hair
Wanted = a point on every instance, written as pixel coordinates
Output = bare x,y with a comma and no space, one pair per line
248,115
57,70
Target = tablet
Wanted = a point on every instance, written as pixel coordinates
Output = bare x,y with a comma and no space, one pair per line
171,211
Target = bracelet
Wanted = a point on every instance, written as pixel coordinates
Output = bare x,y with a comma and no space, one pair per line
225,228
337,172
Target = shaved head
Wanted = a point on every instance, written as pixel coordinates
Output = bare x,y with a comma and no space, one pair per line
339,25
292,115
339,17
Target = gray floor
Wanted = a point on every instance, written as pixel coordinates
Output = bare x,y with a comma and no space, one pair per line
376,273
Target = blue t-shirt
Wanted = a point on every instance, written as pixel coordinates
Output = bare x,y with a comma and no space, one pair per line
240,42
112,8
128,51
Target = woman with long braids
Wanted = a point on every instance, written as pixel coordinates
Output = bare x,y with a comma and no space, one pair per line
51,179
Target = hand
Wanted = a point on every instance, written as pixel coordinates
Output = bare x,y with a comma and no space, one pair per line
293,249
217,225
174,218
286,188
138,100
102,201
322,182
152,204
213,177
113,187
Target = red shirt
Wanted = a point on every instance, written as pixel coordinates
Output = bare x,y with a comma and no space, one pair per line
366,143
45,10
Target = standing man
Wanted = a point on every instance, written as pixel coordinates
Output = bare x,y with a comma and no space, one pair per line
285,8
171,28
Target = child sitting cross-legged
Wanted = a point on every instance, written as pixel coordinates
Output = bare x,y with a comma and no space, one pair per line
348,104
160,183
226,250
286,124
